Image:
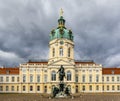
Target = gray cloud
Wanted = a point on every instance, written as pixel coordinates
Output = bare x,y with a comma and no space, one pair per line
25,26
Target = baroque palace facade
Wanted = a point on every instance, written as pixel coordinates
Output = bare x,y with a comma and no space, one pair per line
41,76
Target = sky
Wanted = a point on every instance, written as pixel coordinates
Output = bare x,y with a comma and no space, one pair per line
25,26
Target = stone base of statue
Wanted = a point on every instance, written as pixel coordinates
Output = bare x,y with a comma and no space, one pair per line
61,95
61,92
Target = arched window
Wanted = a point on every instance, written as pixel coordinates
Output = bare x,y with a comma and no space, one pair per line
69,87
76,89
68,52
107,87
68,76
45,89
83,88
38,88
53,76
24,88
31,88
61,51
53,52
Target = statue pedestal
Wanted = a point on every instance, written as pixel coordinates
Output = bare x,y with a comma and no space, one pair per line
61,95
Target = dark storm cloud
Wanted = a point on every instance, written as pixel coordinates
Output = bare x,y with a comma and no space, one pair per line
25,26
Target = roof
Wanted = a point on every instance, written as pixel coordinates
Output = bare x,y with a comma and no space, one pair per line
9,71
110,71
37,62
84,62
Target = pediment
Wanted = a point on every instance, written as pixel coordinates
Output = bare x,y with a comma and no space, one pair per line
62,62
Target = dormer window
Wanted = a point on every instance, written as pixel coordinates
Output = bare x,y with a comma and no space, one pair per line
61,51
112,71
8,72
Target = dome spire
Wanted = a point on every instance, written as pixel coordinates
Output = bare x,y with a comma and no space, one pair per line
61,21
61,12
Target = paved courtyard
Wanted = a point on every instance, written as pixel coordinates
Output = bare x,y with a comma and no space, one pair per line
77,97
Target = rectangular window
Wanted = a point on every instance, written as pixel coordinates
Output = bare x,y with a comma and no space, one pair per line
118,78
103,79
24,70
13,79
113,87
1,79
83,78
12,88
1,88
7,88
7,79
17,79
90,78
24,78
112,78
107,78
37,70
38,78
90,87
31,78
31,70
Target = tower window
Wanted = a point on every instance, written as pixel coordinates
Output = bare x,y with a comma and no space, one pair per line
53,52
68,52
61,51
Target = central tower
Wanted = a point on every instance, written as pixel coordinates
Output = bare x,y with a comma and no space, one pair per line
61,45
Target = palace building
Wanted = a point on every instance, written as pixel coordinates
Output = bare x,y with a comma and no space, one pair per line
41,76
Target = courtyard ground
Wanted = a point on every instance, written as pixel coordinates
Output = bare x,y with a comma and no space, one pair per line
76,97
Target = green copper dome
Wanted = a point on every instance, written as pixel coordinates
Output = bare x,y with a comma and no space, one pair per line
61,31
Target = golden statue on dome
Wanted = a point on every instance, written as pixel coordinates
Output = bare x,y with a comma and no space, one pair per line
61,12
